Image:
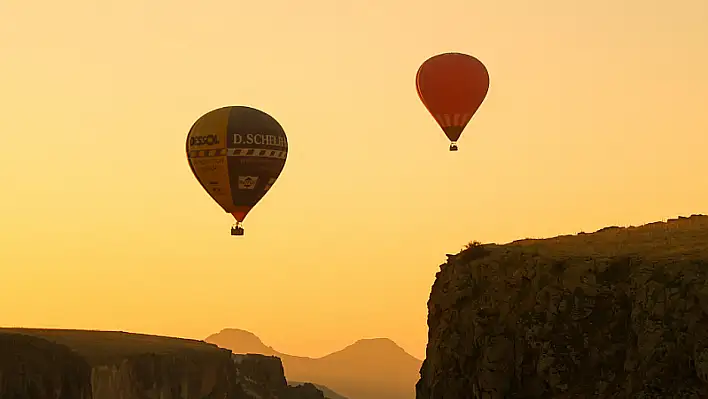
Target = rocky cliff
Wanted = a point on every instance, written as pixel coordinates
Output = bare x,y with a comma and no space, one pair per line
620,313
32,367
74,364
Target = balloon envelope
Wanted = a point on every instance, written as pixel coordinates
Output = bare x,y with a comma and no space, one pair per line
452,87
236,153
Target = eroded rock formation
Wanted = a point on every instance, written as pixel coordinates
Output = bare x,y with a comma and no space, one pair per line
620,313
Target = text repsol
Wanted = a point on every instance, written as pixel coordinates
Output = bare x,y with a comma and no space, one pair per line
209,139
260,139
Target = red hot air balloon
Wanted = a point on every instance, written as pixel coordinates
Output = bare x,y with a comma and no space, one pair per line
452,86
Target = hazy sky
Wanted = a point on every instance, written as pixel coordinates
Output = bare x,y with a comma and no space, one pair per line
596,115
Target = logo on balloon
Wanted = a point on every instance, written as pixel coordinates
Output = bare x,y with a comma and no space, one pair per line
247,182
210,139
260,139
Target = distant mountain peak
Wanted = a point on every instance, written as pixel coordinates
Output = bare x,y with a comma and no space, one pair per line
373,348
377,343
239,341
236,331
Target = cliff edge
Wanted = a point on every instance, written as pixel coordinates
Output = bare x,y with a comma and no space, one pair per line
79,364
619,313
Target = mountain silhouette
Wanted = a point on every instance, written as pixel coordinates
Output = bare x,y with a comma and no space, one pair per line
374,368
240,341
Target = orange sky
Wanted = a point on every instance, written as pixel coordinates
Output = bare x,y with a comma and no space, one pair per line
596,116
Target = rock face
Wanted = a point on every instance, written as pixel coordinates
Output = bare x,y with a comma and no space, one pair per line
177,375
33,368
620,313
74,364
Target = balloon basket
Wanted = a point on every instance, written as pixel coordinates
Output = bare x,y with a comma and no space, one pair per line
237,230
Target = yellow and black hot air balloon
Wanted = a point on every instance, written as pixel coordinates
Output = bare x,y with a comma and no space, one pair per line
237,153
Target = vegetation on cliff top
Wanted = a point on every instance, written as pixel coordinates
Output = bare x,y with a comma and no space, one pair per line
687,236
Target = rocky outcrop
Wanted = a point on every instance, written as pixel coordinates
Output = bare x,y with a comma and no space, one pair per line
263,377
74,364
619,313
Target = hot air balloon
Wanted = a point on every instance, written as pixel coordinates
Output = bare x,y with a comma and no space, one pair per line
452,86
236,153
